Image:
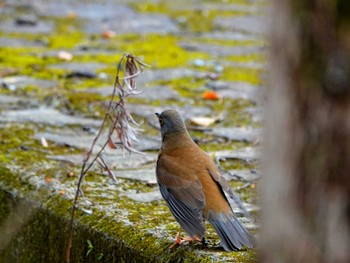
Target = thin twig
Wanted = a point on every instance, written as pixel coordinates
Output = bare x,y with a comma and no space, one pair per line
121,122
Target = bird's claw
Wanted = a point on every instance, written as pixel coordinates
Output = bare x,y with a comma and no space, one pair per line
179,241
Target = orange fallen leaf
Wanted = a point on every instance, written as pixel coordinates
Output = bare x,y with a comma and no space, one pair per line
48,179
210,95
62,192
108,34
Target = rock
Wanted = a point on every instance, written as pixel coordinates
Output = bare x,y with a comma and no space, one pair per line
70,138
79,70
129,160
145,197
185,111
246,134
147,143
164,74
133,23
47,116
246,65
99,16
224,35
255,25
220,50
39,27
151,93
114,161
26,20
143,175
235,90
246,154
24,81
84,141
257,113
243,175
81,74
214,6
76,159
8,102
159,93
18,42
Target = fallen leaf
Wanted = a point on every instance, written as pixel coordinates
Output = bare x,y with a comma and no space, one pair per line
203,121
70,174
71,15
48,179
44,142
64,55
62,192
210,95
108,34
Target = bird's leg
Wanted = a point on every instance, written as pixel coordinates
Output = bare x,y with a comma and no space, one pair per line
178,240
190,239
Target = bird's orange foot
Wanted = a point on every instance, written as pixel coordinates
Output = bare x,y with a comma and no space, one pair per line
189,239
179,241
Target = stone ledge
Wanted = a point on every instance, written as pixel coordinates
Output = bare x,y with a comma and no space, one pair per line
35,230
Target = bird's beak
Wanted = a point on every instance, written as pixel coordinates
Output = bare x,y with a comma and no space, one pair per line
157,114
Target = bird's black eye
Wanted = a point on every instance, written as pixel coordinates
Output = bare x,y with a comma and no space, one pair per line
161,121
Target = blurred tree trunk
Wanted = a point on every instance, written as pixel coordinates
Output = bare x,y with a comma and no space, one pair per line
306,162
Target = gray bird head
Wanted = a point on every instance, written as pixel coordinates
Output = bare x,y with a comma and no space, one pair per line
171,122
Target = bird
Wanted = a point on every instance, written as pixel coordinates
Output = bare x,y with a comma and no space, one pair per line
194,189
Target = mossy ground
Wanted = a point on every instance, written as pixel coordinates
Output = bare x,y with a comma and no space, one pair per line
118,226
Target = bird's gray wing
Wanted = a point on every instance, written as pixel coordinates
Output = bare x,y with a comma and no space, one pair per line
185,199
230,230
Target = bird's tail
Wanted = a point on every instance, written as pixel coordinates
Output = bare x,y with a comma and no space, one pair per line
232,233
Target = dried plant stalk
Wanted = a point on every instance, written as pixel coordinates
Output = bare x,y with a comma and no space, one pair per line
122,127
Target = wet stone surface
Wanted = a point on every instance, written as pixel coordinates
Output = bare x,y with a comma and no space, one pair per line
51,108
39,27
45,115
238,90
256,25
18,42
219,50
149,93
21,82
246,134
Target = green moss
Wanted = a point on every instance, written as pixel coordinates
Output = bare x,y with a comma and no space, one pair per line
189,20
138,239
66,34
165,54
18,147
251,76
27,61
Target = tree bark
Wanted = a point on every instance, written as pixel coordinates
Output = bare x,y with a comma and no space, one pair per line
306,163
